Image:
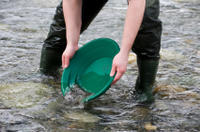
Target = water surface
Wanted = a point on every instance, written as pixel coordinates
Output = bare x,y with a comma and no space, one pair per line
30,102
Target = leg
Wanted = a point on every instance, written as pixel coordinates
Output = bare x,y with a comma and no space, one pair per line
55,43
147,47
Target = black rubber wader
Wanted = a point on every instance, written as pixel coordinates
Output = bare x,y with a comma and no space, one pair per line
146,45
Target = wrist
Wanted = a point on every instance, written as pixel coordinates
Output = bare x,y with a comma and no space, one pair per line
124,52
72,38
72,45
72,41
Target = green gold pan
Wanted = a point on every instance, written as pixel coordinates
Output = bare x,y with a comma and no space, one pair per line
90,68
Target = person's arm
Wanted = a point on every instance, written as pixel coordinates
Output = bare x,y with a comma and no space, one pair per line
133,21
72,14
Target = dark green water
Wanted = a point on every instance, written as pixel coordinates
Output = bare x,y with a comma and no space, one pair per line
30,102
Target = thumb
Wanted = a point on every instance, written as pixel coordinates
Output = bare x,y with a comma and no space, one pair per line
66,62
112,73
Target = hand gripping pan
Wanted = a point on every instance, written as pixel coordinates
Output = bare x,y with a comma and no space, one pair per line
90,68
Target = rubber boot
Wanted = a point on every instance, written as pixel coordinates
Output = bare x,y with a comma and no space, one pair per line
147,69
50,62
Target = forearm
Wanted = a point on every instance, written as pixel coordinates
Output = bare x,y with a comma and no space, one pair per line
72,14
132,24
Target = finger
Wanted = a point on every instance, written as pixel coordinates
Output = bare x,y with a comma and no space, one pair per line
117,77
112,73
63,61
66,62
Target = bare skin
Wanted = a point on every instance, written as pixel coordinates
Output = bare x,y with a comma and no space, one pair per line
134,16
72,14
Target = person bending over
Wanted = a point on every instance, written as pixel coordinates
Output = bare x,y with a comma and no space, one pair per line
142,35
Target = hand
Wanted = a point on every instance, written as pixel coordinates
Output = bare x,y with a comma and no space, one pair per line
68,54
119,65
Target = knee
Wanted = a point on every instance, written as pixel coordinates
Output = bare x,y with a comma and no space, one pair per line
148,41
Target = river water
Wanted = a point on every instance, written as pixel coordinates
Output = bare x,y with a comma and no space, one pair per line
30,102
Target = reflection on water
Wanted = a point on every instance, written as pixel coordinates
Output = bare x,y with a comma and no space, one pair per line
32,102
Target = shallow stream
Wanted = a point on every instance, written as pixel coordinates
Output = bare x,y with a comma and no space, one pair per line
30,102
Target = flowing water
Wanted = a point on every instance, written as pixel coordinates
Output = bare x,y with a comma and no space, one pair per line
30,102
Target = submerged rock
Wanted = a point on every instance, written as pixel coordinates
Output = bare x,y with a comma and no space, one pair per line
150,127
24,94
131,58
168,55
82,116
140,113
4,27
169,89
176,92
